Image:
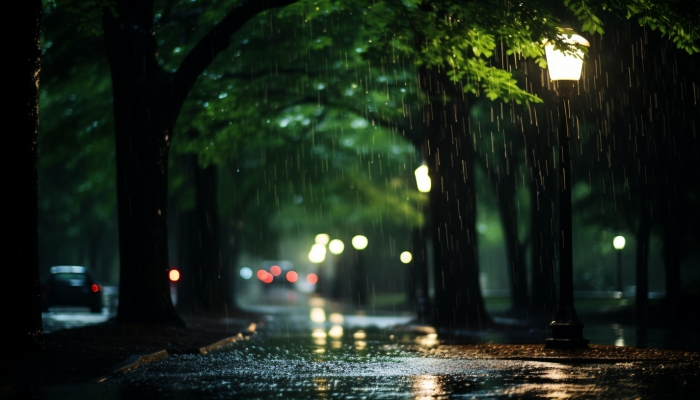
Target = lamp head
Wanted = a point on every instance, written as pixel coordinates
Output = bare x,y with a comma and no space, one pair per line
619,243
565,66
422,179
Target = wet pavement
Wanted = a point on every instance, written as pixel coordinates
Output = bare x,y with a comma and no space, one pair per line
73,317
312,355
310,351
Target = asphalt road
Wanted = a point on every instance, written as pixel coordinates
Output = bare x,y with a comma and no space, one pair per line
307,365
72,317
297,358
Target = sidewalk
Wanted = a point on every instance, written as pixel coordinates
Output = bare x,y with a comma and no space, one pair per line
84,354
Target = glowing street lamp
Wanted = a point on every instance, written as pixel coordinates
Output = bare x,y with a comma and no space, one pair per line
317,254
336,246
322,239
619,244
359,242
422,179
565,68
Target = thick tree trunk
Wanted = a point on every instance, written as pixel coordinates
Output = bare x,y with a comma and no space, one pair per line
19,249
450,154
147,101
144,112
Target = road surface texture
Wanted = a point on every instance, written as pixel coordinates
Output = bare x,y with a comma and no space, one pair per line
353,357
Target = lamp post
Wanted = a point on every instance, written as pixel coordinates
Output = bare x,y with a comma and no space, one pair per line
619,244
565,69
359,243
420,271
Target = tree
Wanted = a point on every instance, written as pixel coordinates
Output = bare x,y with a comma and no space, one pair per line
19,248
291,118
147,101
77,204
451,40
642,153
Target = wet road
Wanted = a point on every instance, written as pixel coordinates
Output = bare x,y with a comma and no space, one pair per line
73,317
354,362
308,354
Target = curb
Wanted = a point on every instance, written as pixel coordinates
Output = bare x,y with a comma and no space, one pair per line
136,361
221,344
581,360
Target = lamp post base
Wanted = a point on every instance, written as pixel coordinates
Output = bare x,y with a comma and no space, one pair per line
566,335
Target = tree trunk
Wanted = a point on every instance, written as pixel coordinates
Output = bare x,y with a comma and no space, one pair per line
211,289
19,249
672,261
641,302
515,251
543,239
147,101
418,285
450,154
145,111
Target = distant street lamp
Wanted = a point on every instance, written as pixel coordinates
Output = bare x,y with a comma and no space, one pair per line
565,69
360,243
619,244
336,246
422,179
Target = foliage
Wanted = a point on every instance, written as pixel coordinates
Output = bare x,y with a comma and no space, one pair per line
676,20
86,13
76,145
268,106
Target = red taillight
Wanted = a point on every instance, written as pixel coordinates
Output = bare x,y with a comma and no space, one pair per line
292,276
312,278
262,274
174,275
95,288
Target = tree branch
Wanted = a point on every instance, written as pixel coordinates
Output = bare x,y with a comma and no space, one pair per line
249,76
216,41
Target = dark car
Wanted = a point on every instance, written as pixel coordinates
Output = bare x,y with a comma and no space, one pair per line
71,286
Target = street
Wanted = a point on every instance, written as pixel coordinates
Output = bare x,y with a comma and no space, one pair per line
314,355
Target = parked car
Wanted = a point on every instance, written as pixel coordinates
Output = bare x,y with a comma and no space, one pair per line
70,285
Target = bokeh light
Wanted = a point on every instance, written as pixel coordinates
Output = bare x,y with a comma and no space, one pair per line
317,254
174,275
423,179
336,246
336,332
322,239
312,278
359,242
292,276
619,243
317,315
246,273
